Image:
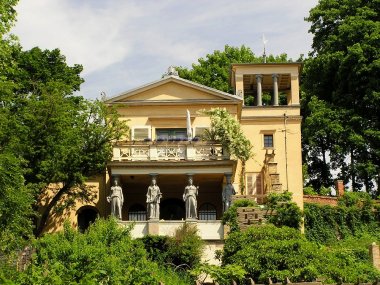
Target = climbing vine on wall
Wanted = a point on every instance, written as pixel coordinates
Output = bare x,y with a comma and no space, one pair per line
355,215
226,129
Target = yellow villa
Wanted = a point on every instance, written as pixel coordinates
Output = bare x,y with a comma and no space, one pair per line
165,150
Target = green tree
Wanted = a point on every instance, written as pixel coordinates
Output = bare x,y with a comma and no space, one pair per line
15,205
343,71
15,199
67,140
214,69
323,132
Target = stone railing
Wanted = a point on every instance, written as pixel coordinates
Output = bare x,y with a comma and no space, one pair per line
163,151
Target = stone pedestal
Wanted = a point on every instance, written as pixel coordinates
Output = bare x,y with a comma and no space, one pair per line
374,255
153,227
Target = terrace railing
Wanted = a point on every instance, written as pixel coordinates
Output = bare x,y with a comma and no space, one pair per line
167,150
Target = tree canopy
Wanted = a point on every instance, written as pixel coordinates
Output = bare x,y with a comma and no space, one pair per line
214,69
48,134
343,72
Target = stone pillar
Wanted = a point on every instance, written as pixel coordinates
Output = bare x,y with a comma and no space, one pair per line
259,78
275,89
339,187
239,86
374,255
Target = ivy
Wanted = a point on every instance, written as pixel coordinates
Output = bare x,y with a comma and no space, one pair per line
226,129
354,216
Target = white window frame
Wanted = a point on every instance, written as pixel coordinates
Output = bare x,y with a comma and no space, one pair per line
268,133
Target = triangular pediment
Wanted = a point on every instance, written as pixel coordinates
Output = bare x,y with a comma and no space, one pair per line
172,89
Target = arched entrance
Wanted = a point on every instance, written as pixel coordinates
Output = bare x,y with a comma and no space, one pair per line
172,209
86,216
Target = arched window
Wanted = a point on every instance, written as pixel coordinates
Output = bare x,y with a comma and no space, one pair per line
137,212
86,216
207,212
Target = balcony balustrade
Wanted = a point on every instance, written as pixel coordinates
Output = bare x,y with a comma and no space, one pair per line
168,151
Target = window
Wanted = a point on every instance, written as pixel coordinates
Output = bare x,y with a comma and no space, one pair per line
171,134
207,212
137,213
141,133
268,141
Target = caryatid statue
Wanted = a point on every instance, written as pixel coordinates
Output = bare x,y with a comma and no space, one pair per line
153,197
190,198
227,193
116,199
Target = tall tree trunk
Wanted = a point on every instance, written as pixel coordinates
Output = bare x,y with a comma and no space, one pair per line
242,178
45,214
352,168
325,176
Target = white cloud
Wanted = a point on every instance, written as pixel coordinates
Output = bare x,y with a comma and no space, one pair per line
125,42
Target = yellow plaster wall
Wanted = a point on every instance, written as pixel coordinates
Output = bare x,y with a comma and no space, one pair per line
254,129
96,187
171,91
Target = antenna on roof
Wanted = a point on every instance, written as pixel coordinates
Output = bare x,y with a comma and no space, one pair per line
264,44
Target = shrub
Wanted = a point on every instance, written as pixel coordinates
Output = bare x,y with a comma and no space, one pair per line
105,254
157,247
287,213
269,251
221,274
186,247
183,250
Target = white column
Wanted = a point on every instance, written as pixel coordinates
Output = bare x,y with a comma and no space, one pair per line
275,89
259,78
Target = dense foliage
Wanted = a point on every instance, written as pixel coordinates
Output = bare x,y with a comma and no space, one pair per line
105,254
353,217
183,250
214,69
285,211
227,130
15,205
342,93
281,253
281,211
52,135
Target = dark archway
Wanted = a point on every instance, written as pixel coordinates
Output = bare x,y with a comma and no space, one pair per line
137,212
172,209
207,212
86,216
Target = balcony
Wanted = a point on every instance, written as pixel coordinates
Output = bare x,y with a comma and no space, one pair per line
169,151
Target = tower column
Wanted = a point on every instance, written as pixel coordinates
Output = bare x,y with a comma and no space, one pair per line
259,78
275,89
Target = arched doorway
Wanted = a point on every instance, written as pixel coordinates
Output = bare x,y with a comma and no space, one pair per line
137,212
172,209
86,216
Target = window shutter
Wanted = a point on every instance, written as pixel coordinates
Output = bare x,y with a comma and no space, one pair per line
254,183
139,134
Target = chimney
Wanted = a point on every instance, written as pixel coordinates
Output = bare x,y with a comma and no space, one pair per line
339,186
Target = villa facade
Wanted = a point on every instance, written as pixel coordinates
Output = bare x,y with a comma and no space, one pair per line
166,144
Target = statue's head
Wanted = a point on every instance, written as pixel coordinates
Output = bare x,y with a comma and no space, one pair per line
191,180
116,182
154,181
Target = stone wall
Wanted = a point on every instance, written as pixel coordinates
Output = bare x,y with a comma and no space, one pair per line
322,200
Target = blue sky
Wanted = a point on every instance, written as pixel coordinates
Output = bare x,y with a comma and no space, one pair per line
123,43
